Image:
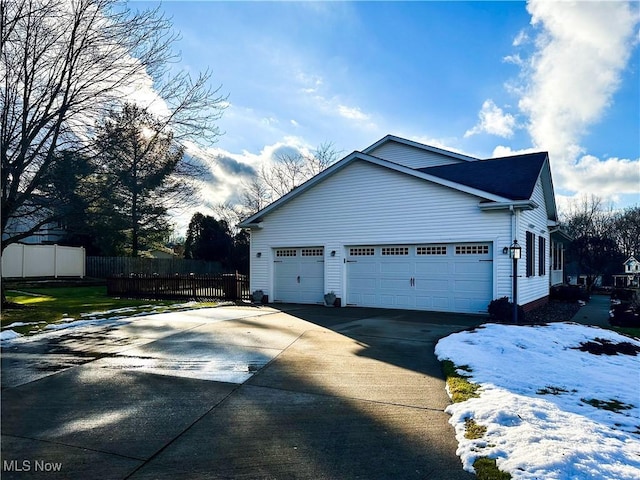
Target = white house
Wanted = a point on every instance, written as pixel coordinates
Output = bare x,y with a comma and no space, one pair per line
631,276
410,226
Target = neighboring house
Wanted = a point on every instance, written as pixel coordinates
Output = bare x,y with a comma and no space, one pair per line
48,234
162,253
410,226
583,280
631,276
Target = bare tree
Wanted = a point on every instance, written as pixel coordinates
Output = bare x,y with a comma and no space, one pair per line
594,249
64,65
288,171
626,230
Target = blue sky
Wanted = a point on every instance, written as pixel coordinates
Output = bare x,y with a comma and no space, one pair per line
483,78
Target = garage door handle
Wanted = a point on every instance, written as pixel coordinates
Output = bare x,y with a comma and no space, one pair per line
298,278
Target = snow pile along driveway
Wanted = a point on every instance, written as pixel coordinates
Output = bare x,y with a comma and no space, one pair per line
560,401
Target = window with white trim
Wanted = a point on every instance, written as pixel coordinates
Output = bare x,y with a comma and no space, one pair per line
472,249
432,250
313,252
395,250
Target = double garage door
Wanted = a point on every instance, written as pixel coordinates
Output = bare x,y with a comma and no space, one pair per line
443,277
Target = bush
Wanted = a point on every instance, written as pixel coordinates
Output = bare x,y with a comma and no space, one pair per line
623,294
501,310
626,312
625,315
569,293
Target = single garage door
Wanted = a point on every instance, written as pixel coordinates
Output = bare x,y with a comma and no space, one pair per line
444,277
299,275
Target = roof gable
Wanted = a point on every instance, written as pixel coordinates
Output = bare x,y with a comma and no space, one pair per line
510,177
453,156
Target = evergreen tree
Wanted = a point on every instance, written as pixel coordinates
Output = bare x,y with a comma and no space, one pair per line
137,161
209,239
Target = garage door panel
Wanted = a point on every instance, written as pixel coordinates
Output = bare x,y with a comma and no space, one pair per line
437,285
463,287
424,302
441,303
472,268
365,284
403,301
397,268
431,268
394,283
363,269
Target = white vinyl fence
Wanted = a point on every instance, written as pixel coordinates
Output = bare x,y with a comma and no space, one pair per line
19,260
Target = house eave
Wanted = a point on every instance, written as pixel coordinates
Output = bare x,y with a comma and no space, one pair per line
251,225
516,205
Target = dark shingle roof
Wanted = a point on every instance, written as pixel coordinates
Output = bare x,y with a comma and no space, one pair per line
510,177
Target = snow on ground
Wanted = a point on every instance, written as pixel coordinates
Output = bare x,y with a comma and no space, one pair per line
8,335
537,397
103,317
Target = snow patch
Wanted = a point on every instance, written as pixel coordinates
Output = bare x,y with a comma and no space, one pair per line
535,384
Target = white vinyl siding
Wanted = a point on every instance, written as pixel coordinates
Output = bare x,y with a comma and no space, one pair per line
411,157
534,221
365,204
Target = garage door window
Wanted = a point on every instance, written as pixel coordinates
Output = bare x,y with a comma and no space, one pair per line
435,250
472,249
395,250
287,252
313,252
361,251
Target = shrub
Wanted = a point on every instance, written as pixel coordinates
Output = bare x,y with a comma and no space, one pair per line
625,315
501,310
569,293
623,294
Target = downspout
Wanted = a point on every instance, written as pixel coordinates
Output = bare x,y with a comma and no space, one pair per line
513,223
514,291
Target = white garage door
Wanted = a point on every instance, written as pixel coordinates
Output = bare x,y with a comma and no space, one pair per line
443,277
299,275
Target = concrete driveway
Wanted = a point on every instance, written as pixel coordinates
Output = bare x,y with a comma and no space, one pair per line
233,392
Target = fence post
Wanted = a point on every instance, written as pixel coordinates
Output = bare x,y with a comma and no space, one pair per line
23,260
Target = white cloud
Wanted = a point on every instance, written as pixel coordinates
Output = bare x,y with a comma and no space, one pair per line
494,121
515,59
504,151
521,38
352,113
582,49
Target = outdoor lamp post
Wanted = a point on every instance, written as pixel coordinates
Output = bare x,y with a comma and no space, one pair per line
515,251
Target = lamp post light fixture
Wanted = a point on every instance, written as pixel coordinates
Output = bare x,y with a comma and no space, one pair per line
515,252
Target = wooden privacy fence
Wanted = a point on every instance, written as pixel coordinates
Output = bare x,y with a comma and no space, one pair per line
104,267
227,286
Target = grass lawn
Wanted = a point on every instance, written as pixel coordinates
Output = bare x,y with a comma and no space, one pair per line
37,307
630,331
